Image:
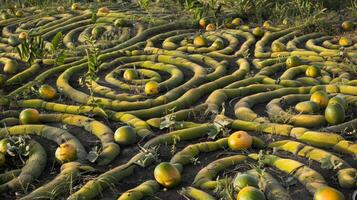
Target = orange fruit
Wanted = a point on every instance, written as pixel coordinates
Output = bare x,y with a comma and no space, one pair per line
320,97
250,193
29,116
345,42
167,175
200,41
75,6
335,113
313,71
203,23
125,135
328,193
47,92
244,180
258,32
66,152
293,61
211,27
237,21
130,74
23,36
347,26
240,140
151,87
103,10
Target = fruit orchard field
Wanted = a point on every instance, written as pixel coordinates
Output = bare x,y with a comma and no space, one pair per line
119,101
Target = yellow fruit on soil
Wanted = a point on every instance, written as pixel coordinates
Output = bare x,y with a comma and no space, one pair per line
250,193
47,92
237,21
103,10
11,67
307,107
167,175
328,193
335,113
19,13
240,140
267,24
151,87
278,47
130,74
293,61
29,116
244,180
75,6
200,41
66,153
218,44
320,97
258,32
340,100
345,42
347,26
3,145
313,71
2,160
60,9
2,81
211,27
23,36
125,135
286,21
203,23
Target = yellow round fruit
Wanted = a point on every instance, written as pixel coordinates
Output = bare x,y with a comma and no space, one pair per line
345,42
237,21
200,41
328,193
3,145
167,175
2,81
29,116
258,32
244,180
307,107
47,92
203,23
19,13
75,6
286,21
347,26
313,71
2,160
293,61
151,87
335,113
320,97
125,135
218,44
267,24
278,47
250,193
340,100
104,10
130,74
211,27
66,152
11,67
23,36
240,140
60,9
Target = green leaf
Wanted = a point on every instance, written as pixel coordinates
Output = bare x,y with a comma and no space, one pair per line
56,41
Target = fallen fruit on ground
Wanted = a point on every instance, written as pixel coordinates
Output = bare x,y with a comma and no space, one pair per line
240,140
167,175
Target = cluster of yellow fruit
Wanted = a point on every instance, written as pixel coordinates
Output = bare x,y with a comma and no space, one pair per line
334,107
